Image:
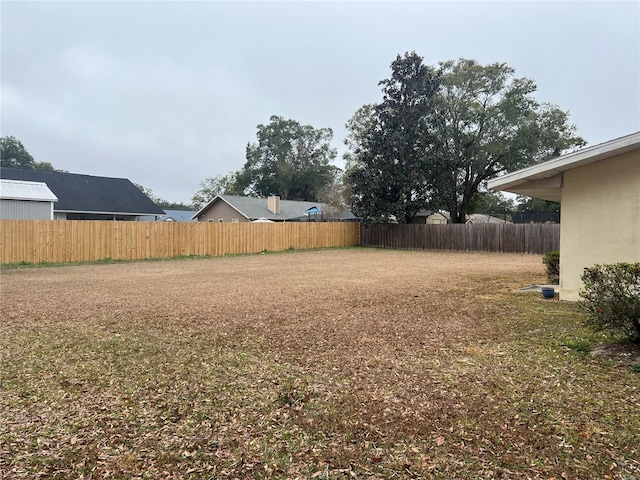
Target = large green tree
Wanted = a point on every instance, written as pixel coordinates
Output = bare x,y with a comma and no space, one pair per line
489,123
434,143
212,186
289,159
390,170
13,154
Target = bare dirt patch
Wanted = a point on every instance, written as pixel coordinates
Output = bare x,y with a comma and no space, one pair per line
625,352
325,364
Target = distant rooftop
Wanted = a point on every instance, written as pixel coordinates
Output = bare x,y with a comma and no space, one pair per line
78,193
253,208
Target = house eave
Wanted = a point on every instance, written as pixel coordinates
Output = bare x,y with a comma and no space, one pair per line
545,179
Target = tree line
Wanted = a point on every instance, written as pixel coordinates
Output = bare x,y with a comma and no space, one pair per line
437,135
13,154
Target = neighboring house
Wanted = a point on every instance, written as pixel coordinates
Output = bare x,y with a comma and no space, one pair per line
235,208
20,200
441,218
599,190
437,218
478,218
86,197
429,217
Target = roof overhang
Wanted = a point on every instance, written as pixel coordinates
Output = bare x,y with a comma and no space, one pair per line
545,180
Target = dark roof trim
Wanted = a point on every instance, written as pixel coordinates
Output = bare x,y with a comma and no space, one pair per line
130,214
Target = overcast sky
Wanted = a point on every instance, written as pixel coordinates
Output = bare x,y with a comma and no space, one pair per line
169,93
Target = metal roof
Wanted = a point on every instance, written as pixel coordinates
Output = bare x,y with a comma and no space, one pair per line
544,180
23,190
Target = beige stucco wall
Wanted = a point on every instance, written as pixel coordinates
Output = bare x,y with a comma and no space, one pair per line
600,218
222,211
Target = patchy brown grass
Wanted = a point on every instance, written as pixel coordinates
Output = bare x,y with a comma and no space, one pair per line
324,364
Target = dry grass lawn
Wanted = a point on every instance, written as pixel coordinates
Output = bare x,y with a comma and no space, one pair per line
351,363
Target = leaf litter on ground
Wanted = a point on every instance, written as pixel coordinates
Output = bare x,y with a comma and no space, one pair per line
320,364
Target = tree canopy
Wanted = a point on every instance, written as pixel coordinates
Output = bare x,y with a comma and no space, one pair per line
289,159
13,154
489,123
390,172
489,202
441,132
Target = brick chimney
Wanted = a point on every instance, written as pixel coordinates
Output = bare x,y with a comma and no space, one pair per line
273,204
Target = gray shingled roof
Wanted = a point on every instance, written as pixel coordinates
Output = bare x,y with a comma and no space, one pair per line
253,208
88,194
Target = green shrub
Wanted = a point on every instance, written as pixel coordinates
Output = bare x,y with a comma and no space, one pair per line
611,298
552,261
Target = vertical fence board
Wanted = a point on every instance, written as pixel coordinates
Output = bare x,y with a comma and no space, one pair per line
59,241
509,238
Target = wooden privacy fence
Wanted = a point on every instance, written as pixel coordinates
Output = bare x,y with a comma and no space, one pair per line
35,241
508,238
